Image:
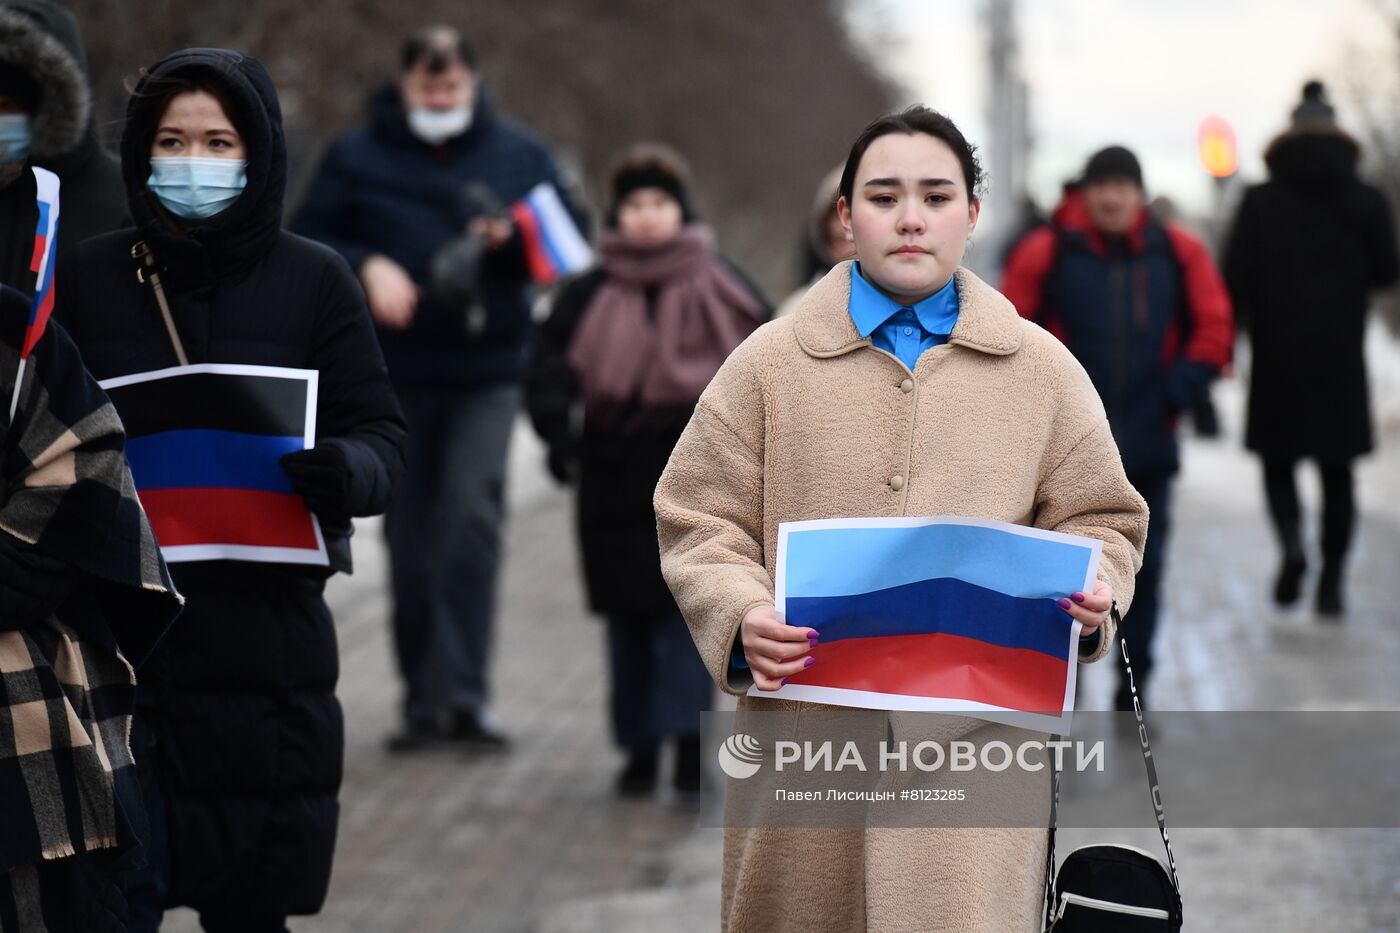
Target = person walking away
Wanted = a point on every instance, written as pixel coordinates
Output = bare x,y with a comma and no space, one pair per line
435,164
1305,250
635,341
1142,306
246,736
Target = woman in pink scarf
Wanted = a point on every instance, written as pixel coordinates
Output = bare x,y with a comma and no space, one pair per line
616,372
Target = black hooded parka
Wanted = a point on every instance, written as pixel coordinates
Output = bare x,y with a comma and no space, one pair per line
241,697
42,39
1307,248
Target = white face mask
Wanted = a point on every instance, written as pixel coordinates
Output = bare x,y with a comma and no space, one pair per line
197,188
435,127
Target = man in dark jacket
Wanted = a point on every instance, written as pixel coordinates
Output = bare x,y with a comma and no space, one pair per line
1307,389
427,180
40,40
1143,308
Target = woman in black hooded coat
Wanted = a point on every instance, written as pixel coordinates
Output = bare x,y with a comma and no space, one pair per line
1306,250
240,701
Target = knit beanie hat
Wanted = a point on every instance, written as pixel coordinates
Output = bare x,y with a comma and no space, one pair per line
1314,110
1115,162
650,166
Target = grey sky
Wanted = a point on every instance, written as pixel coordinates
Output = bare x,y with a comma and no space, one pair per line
1135,72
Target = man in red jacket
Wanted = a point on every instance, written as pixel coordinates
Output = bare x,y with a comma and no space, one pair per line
1143,308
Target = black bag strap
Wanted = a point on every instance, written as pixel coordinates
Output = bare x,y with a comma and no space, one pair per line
1154,789
147,275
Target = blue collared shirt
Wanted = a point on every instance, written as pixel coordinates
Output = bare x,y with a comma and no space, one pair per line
903,330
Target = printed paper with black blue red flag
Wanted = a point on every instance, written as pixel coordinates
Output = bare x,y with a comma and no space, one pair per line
204,443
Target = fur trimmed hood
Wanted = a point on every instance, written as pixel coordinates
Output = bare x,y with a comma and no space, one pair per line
1314,156
65,105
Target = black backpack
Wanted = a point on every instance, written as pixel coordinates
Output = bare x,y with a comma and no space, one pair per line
1107,888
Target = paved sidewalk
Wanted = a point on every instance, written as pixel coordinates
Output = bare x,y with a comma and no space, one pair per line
534,842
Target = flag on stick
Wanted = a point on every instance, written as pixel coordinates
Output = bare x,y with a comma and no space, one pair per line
554,247
42,265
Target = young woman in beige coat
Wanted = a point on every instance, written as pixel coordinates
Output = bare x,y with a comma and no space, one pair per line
836,411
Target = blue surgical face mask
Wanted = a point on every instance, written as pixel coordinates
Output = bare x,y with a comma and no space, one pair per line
197,188
14,137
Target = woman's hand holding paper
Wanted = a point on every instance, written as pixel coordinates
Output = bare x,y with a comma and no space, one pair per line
775,651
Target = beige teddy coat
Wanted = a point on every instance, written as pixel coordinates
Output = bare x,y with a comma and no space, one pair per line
808,420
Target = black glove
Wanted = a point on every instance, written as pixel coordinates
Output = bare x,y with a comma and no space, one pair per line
321,476
563,465
32,584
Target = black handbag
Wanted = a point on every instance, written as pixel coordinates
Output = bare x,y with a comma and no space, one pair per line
1107,888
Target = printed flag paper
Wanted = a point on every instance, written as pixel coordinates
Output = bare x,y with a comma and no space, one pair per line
204,441
554,247
938,614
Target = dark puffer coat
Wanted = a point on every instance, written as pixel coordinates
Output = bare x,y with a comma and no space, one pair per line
1307,247
381,190
241,699
42,38
1146,315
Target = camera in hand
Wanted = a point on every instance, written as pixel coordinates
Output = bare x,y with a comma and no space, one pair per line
455,269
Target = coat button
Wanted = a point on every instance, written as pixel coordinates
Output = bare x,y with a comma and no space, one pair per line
896,482
907,386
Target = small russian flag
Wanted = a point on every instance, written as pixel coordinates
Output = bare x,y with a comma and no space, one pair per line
45,235
554,247
42,264
938,614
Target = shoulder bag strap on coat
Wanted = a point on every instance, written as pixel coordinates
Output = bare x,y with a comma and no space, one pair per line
1154,789
146,274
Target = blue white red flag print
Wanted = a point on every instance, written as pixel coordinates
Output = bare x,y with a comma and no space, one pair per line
940,614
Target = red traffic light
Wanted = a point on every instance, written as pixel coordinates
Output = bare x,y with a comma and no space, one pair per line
1215,145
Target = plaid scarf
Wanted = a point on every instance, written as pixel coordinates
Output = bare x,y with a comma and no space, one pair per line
66,687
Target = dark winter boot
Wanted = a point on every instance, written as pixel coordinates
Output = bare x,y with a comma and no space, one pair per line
638,778
1288,585
477,729
687,776
1329,592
